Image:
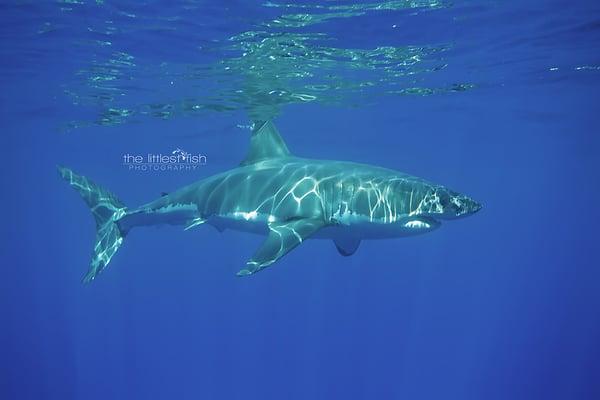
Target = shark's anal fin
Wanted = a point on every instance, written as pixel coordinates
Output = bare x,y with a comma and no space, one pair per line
282,238
346,246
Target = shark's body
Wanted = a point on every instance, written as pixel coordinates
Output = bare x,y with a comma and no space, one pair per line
286,198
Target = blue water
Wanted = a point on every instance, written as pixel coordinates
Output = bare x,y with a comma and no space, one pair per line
498,100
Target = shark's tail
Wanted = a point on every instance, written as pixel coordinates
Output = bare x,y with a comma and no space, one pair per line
107,210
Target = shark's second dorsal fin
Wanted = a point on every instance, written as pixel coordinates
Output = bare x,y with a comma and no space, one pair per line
265,143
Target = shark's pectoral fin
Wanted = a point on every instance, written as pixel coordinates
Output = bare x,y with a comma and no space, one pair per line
282,238
346,246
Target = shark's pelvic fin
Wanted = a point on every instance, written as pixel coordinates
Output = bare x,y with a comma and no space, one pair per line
107,210
282,238
265,143
194,223
346,246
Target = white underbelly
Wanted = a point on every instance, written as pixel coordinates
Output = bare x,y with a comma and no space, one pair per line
362,229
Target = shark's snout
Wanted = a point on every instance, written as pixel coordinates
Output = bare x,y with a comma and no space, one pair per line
460,205
447,204
468,207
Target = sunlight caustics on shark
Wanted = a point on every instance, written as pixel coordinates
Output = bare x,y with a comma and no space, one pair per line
286,198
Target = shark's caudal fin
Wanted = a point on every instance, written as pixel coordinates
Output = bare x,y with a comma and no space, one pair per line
107,210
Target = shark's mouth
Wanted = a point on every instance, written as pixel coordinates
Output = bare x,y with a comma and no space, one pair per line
422,223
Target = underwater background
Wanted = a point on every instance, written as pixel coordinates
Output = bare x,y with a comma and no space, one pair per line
497,100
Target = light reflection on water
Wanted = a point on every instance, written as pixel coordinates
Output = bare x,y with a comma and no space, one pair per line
281,60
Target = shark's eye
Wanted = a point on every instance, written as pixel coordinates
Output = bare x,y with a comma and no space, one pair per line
444,199
447,202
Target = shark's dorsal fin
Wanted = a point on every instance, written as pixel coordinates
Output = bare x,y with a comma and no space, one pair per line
265,143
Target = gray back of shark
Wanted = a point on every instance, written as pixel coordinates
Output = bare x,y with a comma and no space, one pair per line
287,198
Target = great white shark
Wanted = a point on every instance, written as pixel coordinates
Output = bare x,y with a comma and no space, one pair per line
286,198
